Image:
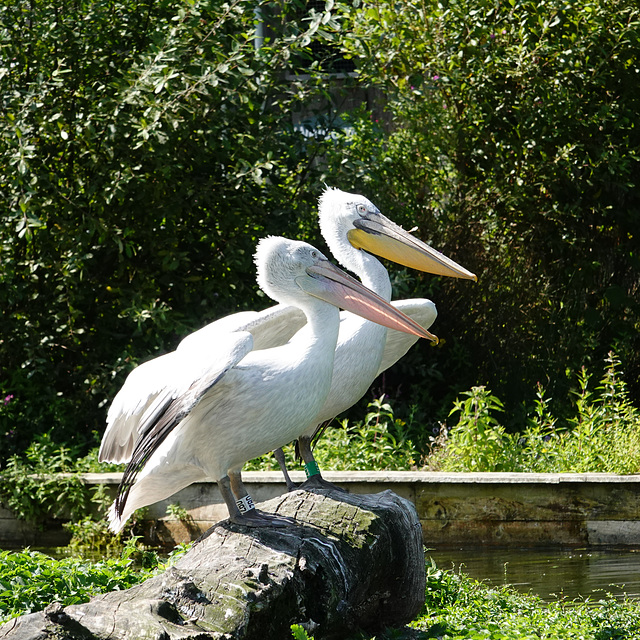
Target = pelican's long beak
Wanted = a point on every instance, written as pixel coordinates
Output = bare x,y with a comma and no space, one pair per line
377,234
331,284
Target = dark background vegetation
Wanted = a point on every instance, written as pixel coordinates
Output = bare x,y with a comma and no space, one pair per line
147,146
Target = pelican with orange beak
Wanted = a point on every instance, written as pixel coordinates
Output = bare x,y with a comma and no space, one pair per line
356,231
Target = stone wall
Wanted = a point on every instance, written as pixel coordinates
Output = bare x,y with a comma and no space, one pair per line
455,509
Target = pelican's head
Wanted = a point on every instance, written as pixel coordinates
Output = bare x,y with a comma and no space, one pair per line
279,262
353,219
294,272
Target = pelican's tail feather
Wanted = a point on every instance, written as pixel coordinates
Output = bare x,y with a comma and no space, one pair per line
116,522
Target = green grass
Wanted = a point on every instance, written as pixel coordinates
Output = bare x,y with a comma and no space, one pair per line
458,607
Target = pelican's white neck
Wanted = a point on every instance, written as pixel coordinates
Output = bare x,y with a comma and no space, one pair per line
368,268
322,327
336,215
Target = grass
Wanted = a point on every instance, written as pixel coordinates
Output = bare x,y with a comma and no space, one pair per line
458,607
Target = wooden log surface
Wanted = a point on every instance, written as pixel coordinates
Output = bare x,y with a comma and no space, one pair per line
350,562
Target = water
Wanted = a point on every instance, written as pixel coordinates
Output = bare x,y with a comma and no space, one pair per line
551,574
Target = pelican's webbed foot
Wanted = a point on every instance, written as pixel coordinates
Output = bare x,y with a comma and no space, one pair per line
316,481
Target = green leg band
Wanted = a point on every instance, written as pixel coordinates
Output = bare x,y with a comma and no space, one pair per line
312,469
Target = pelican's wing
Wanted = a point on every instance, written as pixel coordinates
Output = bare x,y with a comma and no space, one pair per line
147,387
197,372
142,386
271,327
421,310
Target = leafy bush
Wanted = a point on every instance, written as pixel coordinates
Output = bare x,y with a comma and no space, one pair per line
44,484
508,136
145,148
602,435
377,443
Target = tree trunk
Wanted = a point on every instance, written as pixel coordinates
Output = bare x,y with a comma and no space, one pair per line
351,561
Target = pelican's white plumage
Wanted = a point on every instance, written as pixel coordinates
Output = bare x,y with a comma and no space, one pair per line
171,373
211,405
354,229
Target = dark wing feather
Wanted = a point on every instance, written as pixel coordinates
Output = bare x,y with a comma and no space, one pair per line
167,412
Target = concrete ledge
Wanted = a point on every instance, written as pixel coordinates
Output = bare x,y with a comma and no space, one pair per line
414,477
455,509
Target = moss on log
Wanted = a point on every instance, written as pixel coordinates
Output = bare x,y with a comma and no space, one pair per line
350,562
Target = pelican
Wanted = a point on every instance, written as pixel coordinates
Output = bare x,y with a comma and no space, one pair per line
354,229
225,402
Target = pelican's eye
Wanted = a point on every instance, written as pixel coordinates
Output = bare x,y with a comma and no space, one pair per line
361,209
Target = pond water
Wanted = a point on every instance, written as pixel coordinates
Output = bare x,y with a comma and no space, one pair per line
551,574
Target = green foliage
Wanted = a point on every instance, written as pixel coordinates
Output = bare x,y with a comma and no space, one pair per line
508,136
443,587
43,485
31,580
145,148
179,513
92,538
298,632
456,607
602,435
478,432
460,608
478,612
377,443
47,484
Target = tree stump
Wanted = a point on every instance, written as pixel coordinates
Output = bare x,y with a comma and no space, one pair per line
350,562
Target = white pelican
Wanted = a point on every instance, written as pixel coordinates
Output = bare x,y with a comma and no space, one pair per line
352,226
224,402
354,229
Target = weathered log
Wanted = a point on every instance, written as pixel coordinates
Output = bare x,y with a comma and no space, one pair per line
350,562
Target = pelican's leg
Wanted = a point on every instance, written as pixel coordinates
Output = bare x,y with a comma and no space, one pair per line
278,454
241,508
314,477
